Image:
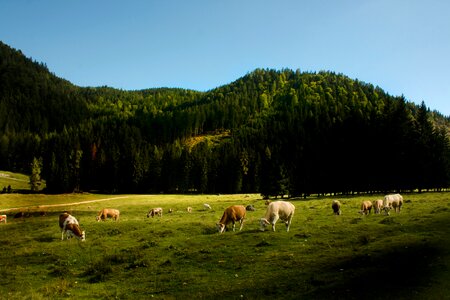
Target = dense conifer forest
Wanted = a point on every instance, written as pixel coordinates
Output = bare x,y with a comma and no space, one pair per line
273,132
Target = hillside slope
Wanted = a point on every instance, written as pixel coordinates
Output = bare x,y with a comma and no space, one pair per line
288,132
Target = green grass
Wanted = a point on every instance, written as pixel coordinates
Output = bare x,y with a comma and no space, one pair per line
402,256
15,180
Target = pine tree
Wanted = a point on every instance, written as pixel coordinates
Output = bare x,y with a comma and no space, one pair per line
35,177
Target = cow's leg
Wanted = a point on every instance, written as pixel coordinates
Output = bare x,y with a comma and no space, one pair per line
242,223
288,223
274,221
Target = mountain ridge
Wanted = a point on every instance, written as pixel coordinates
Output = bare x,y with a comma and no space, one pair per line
283,127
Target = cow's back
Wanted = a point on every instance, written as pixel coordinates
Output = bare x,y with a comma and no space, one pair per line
62,219
283,208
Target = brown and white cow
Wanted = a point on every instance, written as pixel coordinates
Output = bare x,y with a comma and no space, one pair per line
108,213
70,226
3,218
155,211
336,206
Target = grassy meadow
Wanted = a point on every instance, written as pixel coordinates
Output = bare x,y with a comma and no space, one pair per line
16,181
401,256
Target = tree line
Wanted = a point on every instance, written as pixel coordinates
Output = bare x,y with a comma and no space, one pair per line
274,132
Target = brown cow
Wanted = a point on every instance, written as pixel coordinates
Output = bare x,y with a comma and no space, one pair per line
108,213
232,214
366,207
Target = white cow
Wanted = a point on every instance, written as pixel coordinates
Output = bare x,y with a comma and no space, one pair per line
282,210
394,201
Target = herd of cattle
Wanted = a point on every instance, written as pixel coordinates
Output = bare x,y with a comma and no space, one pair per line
276,210
394,201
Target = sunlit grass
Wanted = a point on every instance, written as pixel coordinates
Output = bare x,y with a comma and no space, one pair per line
181,254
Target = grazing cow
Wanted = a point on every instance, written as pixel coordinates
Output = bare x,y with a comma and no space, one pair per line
278,210
366,207
394,201
377,206
336,206
207,206
3,218
108,213
155,211
70,226
189,209
232,214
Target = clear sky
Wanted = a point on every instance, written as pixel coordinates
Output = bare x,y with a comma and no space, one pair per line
403,46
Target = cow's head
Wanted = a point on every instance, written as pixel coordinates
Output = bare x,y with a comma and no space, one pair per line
220,227
386,210
263,223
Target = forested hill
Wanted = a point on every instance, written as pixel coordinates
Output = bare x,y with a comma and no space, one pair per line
273,132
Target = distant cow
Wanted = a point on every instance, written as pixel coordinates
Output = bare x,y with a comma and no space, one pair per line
232,214
155,212
366,207
108,213
3,218
393,201
69,225
336,206
377,206
278,210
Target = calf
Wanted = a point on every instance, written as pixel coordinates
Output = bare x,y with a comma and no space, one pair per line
232,214
69,225
3,218
278,210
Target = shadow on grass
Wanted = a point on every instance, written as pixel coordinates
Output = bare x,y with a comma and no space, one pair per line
397,274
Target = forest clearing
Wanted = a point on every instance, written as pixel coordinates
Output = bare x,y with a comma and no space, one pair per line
181,254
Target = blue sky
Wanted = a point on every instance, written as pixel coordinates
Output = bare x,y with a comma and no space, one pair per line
403,46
